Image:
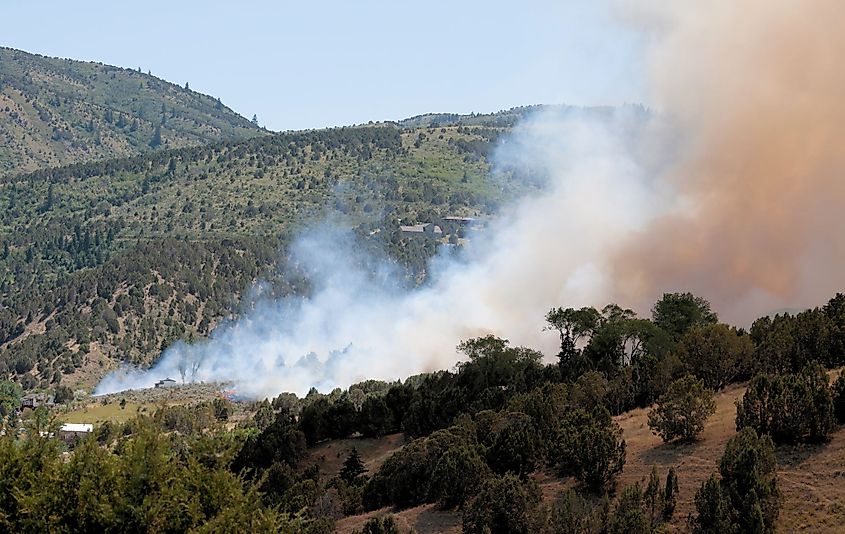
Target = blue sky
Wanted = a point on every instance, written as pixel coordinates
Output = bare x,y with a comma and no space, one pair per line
324,63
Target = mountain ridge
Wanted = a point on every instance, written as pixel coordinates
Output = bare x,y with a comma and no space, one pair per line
56,111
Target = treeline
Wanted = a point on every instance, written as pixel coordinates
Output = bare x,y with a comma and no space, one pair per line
363,140
503,414
475,437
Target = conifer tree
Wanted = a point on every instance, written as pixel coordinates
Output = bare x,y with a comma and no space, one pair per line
156,140
670,494
353,468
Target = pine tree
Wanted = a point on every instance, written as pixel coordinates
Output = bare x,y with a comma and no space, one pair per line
353,468
48,204
652,492
255,120
670,494
155,142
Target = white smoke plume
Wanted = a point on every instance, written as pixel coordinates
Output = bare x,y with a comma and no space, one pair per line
734,191
542,251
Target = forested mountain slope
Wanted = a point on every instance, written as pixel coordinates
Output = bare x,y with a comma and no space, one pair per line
59,111
113,260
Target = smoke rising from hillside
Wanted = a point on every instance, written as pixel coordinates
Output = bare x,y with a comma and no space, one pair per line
734,191
542,251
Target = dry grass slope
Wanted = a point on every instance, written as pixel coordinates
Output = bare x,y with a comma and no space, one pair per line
812,477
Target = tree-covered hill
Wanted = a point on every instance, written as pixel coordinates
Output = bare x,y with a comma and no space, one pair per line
59,111
115,259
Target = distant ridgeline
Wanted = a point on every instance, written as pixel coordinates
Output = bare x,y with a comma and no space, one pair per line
58,111
113,260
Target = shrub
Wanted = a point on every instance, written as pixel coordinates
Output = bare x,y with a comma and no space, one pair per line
791,408
404,478
457,476
839,399
746,497
546,406
63,395
279,442
515,447
504,505
592,448
682,411
222,409
381,525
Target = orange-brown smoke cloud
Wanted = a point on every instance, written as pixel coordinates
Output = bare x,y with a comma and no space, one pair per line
758,89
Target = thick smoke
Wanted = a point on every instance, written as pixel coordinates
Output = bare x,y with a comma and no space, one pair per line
734,191
756,87
544,250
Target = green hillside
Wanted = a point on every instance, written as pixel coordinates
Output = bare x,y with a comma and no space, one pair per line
59,111
114,260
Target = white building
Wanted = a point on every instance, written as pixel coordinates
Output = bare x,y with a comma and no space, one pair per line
425,229
165,383
73,431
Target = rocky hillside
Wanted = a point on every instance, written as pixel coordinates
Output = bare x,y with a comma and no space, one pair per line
59,111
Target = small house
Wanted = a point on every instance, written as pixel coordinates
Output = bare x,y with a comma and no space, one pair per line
461,221
71,432
34,400
165,383
423,230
